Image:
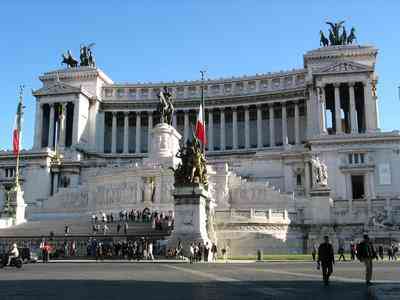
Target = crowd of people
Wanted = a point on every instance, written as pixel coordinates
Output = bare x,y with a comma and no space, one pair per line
198,252
132,250
103,222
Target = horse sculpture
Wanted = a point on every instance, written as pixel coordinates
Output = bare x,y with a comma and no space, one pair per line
69,60
323,40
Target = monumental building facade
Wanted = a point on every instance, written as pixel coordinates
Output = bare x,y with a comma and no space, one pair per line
92,138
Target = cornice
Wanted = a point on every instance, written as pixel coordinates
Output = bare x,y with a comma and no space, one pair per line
225,101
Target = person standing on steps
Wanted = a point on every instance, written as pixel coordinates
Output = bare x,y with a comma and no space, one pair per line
326,259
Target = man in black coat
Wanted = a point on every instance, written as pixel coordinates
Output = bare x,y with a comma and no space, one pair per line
366,253
326,259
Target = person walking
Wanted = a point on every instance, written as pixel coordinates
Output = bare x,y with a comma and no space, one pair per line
214,251
326,259
191,251
314,252
150,251
380,252
341,253
352,251
125,227
366,253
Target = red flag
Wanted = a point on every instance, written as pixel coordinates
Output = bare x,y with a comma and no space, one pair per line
17,130
200,127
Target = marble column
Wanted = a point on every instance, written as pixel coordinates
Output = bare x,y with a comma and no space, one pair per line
222,127
186,126
352,109
338,116
234,128
114,133
63,118
75,123
37,140
51,126
271,126
150,126
174,120
259,127
138,130
55,182
210,130
296,123
322,110
247,127
284,125
368,109
126,131
307,177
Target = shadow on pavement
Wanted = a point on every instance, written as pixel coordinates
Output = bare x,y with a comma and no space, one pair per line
151,290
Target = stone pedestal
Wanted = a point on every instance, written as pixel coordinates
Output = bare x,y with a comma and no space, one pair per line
192,207
16,213
321,204
164,146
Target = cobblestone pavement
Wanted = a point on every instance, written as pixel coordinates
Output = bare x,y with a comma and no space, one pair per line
292,280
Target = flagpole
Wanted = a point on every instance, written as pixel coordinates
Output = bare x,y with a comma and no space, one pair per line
21,91
203,106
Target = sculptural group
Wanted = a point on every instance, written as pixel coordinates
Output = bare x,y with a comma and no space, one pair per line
86,57
193,167
337,35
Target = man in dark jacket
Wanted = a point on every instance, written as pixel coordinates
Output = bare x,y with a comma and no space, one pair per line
366,253
326,259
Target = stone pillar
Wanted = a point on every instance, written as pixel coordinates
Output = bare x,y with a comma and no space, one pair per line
37,141
75,125
234,128
126,132
338,117
259,127
210,130
174,120
100,131
55,182
247,127
114,133
222,126
63,118
186,126
284,125
322,110
296,123
150,126
192,206
307,177
353,111
271,126
138,130
368,108
51,126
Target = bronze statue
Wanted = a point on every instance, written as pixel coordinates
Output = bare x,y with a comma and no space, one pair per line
165,106
193,167
69,60
86,56
337,35
352,36
324,42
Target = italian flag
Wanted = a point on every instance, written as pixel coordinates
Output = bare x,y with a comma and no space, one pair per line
200,127
16,139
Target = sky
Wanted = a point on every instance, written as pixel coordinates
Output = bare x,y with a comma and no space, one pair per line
162,40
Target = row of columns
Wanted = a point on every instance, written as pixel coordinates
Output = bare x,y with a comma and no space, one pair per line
186,128
368,112
51,132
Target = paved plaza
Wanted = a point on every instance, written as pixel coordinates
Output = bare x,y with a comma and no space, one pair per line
115,280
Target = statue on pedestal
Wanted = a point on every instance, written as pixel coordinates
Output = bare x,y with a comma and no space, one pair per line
319,172
165,106
193,168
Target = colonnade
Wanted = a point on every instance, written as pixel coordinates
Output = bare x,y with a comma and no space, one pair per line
214,143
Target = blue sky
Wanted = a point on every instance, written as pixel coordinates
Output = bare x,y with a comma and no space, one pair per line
172,40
